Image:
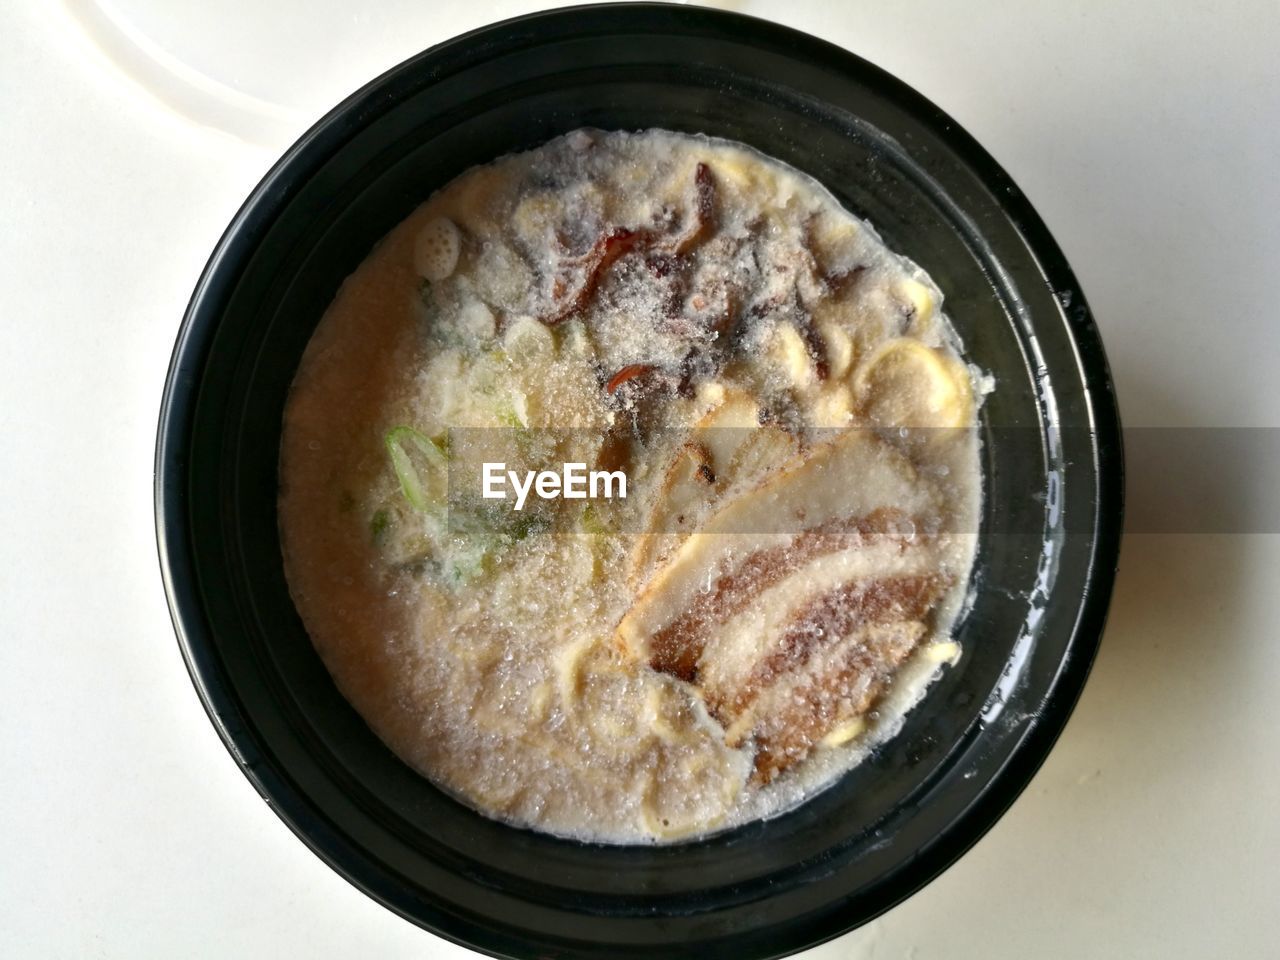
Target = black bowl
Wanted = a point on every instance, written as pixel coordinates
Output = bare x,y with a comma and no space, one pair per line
1052,463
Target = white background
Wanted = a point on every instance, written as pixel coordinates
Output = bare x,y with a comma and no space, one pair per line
1146,133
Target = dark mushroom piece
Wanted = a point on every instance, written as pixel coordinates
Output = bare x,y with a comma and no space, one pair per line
628,373
619,241
704,202
603,254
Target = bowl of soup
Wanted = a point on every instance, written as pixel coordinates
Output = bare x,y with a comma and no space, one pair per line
638,481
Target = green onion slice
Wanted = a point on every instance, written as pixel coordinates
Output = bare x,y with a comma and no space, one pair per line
424,488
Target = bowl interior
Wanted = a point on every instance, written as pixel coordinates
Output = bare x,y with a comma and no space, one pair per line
888,156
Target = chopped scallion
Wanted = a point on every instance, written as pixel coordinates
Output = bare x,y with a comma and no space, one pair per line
422,492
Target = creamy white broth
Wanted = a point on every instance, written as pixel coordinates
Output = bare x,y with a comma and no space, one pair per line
714,324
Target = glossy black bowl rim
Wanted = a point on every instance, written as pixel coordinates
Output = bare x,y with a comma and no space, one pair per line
239,242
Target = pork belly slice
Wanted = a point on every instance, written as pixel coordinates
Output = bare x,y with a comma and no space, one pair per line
815,650
848,491
735,622
741,662
726,452
799,709
790,634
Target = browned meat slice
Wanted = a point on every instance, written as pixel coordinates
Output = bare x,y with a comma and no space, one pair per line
851,481
677,647
727,452
793,604
832,618
801,712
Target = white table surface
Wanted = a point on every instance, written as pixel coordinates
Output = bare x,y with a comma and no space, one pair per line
1146,133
